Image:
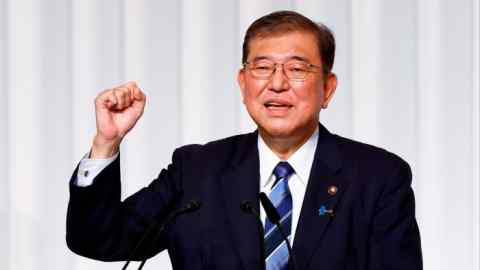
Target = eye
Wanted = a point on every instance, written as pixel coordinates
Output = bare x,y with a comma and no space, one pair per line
263,66
297,68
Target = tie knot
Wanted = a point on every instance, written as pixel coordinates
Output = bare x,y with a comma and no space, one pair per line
282,170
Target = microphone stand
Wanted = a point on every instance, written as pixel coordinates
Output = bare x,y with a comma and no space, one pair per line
193,205
274,217
248,208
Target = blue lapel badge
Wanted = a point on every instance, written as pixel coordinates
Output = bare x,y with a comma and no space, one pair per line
324,211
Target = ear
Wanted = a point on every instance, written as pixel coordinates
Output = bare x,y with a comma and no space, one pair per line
330,85
241,82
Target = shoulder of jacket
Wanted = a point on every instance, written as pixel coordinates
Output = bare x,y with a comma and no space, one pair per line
364,152
213,149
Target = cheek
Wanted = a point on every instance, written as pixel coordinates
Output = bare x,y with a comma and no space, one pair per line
309,96
253,90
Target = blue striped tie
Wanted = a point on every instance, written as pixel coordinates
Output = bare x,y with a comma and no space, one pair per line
276,252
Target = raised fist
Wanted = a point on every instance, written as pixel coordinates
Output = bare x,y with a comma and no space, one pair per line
117,110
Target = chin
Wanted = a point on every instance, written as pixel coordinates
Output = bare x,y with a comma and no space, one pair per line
278,131
281,128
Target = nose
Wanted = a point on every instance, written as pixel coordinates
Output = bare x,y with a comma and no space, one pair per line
279,81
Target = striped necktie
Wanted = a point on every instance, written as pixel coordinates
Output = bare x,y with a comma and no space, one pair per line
276,251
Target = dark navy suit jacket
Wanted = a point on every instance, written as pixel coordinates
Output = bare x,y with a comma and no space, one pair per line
373,226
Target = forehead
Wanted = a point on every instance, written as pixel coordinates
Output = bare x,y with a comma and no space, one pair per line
286,46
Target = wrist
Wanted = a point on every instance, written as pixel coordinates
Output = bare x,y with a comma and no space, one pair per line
102,148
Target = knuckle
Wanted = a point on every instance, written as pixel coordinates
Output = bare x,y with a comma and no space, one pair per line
102,95
131,84
121,92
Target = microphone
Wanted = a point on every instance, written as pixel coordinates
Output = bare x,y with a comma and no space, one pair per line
191,206
247,207
274,217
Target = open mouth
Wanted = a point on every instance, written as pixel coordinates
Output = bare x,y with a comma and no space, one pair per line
274,105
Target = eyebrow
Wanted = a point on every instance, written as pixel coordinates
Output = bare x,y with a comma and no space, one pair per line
295,57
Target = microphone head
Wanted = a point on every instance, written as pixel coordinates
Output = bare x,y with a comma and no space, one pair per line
270,210
193,205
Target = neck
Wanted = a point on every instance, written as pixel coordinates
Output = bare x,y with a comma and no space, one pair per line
285,147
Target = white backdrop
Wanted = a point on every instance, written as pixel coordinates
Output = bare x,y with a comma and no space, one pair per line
408,81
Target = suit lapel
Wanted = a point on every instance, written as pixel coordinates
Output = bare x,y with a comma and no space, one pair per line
240,182
324,175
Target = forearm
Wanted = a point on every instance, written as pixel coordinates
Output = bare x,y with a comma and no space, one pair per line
93,211
101,226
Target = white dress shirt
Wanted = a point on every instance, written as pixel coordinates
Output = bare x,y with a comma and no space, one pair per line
301,162
88,169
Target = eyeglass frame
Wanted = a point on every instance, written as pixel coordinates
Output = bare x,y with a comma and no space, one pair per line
309,66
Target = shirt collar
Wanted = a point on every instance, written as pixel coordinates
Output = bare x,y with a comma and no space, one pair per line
301,161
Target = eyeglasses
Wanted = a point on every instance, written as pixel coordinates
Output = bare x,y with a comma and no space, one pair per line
295,70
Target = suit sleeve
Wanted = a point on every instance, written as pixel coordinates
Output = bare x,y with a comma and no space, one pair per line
102,227
395,239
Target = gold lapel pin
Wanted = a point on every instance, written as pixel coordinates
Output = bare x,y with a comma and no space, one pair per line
332,190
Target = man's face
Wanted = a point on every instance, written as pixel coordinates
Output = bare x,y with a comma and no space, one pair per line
282,107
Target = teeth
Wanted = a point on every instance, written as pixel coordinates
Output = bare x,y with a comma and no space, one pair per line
276,105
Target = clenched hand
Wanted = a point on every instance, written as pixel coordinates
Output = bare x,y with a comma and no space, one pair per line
117,111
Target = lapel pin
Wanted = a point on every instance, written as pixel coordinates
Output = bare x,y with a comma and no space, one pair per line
332,190
324,211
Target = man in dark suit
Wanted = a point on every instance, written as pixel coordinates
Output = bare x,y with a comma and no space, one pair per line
343,204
